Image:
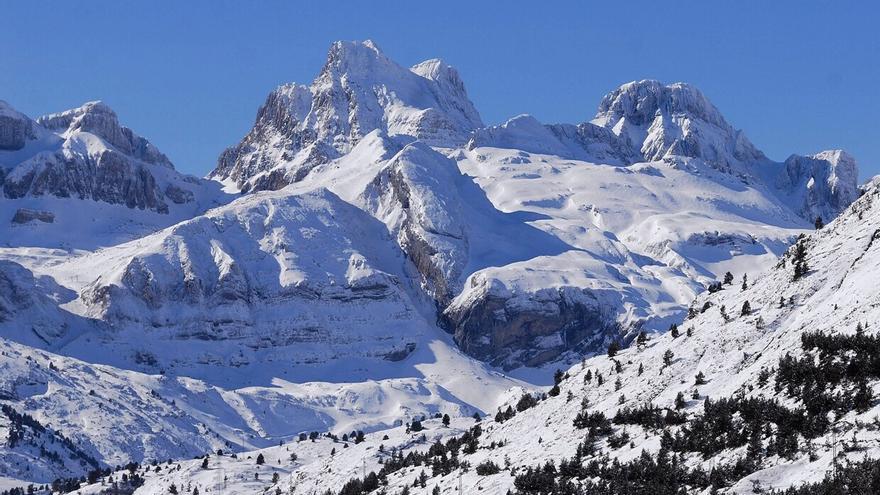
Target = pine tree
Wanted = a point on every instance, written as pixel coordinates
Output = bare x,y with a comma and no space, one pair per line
700,379
446,420
745,284
746,309
261,460
205,463
728,278
557,379
818,223
668,356
641,369
642,339
863,397
673,329
613,348
172,489
679,401
755,449
800,263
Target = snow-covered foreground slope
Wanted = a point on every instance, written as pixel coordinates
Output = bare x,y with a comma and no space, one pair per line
776,435
113,416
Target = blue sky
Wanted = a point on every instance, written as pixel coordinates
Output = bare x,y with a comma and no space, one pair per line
798,77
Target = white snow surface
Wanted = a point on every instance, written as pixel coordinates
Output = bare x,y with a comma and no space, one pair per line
836,294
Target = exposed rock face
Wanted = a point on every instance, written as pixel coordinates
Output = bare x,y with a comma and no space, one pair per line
15,128
358,91
25,215
108,176
825,183
599,143
415,196
510,330
85,153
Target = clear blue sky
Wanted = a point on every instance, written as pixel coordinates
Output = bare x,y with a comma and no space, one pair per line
797,76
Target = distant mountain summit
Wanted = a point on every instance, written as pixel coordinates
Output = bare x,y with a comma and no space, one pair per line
665,121
675,124
358,90
85,153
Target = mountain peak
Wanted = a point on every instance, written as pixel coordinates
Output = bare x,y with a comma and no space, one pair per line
358,90
79,117
665,121
641,100
355,57
96,117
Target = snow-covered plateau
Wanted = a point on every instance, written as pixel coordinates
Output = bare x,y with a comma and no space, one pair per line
374,264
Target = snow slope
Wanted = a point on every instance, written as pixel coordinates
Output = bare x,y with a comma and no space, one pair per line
835,295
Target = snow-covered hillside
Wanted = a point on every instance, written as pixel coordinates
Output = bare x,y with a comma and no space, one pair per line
725,401
369,253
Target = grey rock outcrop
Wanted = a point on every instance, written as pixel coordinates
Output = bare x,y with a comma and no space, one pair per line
26,215
15,128
531,329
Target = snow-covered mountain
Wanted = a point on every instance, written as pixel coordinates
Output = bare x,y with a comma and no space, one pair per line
359,90
676,124
388,257
738,399
646,136
85,153
80,179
